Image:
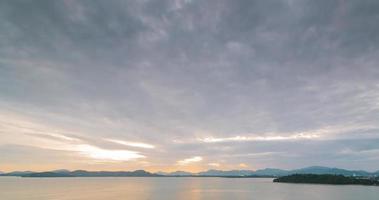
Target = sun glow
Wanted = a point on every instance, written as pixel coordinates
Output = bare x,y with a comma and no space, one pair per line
132,144
190,160
103,154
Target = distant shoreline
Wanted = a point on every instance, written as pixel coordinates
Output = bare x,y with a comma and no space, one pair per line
153,176
260,173
137,173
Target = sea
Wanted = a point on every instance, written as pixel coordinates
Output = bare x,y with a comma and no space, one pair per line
180,188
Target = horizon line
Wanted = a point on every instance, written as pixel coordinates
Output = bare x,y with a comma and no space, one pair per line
132,170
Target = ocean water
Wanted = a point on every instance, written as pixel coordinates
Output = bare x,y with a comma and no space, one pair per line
125,188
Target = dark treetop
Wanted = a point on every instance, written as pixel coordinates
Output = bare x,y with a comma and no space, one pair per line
325,179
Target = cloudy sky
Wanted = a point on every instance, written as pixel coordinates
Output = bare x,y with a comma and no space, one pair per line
189,84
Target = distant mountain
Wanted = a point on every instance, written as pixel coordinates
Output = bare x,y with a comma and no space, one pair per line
177,173
61,171
268,172
271,172
327,170
17,173
83,173
279,172
48,174
213,172
107,173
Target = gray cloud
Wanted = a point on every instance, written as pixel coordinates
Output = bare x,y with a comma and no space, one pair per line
160,71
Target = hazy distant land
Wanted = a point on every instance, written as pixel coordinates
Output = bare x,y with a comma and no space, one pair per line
262,173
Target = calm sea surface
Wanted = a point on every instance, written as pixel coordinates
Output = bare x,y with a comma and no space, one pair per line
12,188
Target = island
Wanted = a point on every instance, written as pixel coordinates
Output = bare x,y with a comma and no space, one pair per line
326,179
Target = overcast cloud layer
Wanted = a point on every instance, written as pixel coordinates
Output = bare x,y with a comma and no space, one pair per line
189,84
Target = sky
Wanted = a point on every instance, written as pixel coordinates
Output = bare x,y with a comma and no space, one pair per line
166,85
